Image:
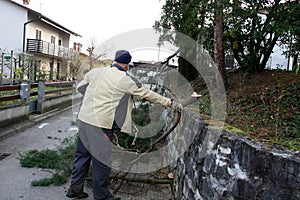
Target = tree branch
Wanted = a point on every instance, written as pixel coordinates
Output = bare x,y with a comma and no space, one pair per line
170,57
165,135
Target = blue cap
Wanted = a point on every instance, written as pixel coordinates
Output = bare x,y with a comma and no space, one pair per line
123,56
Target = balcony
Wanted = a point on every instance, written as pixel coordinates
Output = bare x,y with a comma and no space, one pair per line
41,47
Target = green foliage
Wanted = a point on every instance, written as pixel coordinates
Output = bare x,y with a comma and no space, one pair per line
283,110
141,114
12,102
24,71
248,33
56,180
74,69
191,18
140,144
42,74
60,160
205,103
19,73
43,159
146,123
253,35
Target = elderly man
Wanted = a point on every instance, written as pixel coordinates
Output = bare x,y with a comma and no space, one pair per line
108,97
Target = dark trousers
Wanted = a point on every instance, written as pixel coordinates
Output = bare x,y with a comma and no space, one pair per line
93,146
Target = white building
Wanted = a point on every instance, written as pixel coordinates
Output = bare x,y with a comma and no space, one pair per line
24,30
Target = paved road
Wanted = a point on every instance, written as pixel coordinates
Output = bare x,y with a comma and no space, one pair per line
40,133
47,133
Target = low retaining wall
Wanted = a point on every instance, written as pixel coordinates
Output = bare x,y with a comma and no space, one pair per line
217,164
59,102
11,114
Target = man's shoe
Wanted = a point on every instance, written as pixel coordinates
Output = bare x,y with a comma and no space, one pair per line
72,194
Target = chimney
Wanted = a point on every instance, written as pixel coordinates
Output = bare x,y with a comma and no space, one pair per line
26,2
77,46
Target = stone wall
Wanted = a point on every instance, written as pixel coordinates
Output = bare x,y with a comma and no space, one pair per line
217,164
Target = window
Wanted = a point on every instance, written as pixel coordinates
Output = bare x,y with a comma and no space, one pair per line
52,39
59,42
38,34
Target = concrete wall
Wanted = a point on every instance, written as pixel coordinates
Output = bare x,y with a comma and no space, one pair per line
11,114
216,164
60,102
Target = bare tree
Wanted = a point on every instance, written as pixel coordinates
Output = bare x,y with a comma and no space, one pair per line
94,56
91,47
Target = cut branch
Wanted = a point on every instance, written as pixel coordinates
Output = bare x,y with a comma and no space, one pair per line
141,180
147,151
170,57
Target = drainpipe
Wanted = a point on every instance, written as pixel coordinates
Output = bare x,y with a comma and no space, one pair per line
24,30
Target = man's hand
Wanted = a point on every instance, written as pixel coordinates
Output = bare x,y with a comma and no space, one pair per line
176,106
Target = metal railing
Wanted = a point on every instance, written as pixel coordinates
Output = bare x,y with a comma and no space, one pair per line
40,46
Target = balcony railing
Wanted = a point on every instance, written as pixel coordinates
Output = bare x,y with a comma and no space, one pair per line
40,46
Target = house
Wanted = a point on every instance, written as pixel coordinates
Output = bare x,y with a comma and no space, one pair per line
28,33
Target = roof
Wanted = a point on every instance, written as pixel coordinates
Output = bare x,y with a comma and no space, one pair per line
46,19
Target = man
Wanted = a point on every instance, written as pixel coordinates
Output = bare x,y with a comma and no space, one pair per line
108,96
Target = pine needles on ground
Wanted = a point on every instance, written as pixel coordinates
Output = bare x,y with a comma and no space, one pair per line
59,160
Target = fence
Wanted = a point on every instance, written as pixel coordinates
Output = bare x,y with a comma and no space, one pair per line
34,94
33,66
40,46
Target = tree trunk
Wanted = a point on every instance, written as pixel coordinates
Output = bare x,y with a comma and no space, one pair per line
218,39
295,61
187,69
268,53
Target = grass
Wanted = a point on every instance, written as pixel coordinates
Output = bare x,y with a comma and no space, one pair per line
11,102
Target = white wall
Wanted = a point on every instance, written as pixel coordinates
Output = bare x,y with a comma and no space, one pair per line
47,32
12,19
278,60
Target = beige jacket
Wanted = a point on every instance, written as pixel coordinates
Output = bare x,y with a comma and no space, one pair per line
108,97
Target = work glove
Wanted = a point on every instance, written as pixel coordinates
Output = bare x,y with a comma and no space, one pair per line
176,106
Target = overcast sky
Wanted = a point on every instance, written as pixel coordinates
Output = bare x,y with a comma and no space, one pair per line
99,20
